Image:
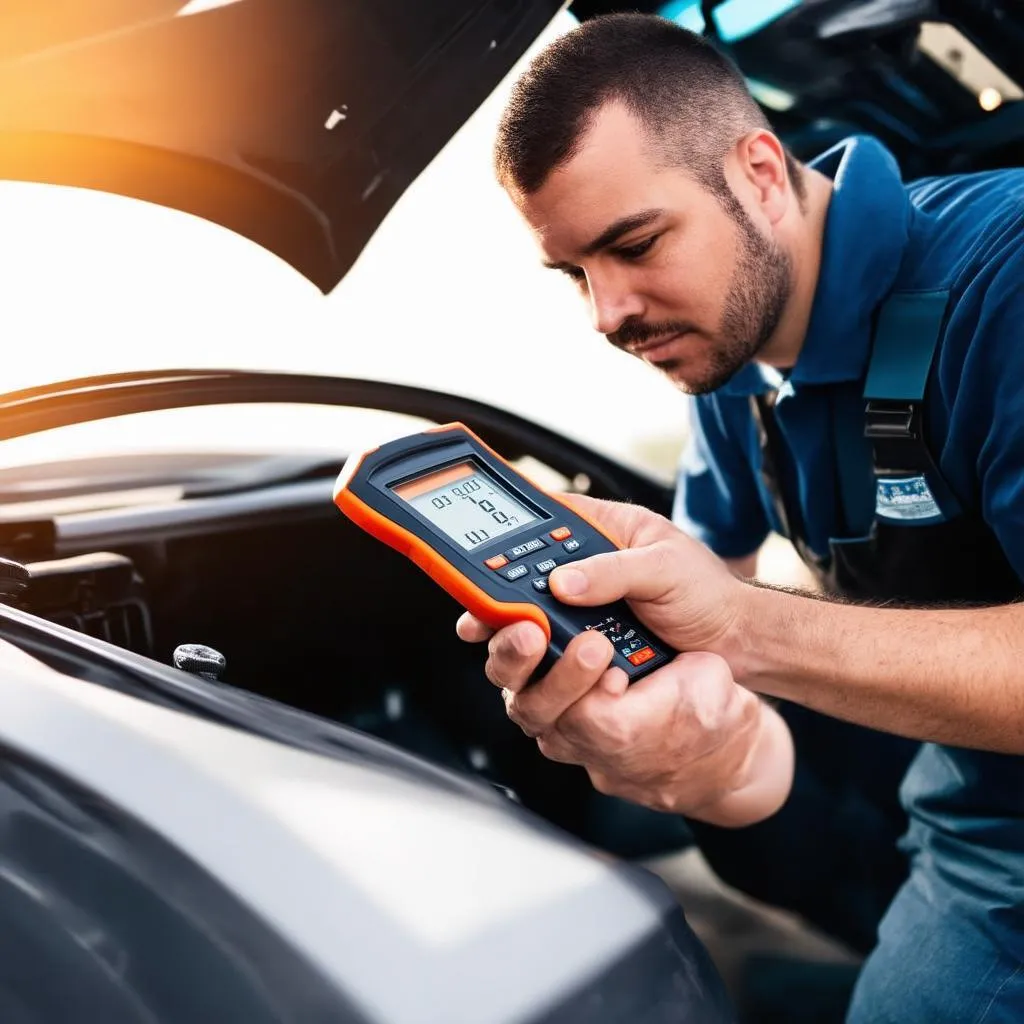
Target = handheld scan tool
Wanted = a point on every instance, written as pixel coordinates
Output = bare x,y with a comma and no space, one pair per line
488,536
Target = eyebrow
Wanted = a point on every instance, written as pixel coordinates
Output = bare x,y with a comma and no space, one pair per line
612,234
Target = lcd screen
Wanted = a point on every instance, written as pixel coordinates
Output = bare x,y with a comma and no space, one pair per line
465,504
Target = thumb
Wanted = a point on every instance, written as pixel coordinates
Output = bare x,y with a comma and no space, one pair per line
641,574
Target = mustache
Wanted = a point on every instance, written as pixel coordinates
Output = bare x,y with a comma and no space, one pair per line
636,332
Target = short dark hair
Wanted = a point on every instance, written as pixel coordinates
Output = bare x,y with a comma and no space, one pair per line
690,97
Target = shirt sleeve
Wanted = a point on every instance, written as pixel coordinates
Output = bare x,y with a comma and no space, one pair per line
994,407
717,499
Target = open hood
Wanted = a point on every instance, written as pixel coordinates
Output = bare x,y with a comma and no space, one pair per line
296,123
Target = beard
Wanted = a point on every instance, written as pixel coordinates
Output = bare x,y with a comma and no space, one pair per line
759,289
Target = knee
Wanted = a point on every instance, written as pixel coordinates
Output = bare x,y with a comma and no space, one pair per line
934,962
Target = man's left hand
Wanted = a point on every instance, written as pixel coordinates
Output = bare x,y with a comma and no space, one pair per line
685,739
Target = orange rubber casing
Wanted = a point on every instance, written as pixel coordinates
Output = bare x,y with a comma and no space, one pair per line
472,597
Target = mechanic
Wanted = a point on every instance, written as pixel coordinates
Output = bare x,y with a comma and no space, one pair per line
781,296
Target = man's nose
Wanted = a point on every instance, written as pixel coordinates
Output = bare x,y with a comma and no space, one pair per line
612,301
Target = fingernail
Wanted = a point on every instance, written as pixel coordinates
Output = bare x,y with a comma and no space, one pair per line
571,581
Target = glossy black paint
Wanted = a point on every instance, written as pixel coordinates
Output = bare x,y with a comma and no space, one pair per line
297,123
95,398
102,919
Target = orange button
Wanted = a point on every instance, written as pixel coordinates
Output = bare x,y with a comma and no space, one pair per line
496,561
639,657
561,533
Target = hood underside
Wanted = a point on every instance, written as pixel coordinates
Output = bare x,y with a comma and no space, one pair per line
296,123
300,123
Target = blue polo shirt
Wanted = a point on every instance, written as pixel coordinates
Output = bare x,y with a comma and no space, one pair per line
962,233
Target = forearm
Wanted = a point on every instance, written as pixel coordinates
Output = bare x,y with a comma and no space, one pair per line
953,676
764,782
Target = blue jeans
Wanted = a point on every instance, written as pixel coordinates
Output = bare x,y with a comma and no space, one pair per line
951,945
927,877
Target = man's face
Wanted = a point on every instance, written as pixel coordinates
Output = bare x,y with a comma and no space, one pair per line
670,274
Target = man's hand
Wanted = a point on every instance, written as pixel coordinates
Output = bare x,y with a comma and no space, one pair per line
675,585
686,738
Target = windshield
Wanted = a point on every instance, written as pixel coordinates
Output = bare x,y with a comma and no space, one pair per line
448,295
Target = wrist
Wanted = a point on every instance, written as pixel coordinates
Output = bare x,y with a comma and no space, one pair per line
749,636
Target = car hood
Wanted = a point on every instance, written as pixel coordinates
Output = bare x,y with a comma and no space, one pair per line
296,123
335,873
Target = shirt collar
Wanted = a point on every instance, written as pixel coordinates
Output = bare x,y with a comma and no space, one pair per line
866,231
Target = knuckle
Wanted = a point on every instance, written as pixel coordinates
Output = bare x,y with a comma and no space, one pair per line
492,674
554,749
617,732
711,716
662,559
497,648
533,718
661,567
619,737
708,669
547,747
711,698
512,708
521,716
664,799
576,723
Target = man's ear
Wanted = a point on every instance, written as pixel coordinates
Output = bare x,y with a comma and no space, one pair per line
761,161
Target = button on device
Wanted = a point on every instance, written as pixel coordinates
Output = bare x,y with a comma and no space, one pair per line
517,572
546,566
541,584
571,545
561,533
496,561
525,549
639,657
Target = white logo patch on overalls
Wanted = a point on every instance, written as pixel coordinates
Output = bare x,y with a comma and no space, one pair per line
905,498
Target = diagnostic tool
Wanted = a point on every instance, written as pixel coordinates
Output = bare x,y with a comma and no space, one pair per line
488,536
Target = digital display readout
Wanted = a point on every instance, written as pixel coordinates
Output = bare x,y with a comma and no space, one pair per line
465,504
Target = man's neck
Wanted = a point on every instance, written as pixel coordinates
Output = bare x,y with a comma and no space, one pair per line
807,238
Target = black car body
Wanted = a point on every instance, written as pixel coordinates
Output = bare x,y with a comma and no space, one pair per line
329,832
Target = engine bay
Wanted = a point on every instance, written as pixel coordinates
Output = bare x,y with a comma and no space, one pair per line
309,611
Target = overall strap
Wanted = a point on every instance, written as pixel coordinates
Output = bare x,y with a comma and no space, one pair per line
762,408
906,337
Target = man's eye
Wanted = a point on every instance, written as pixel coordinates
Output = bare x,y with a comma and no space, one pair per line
576,273
635,252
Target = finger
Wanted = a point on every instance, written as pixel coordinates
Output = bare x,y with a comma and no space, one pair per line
693,697
471,629
686,694
695,687
625,524
647,573
581,667
615,682
596,725
514,652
